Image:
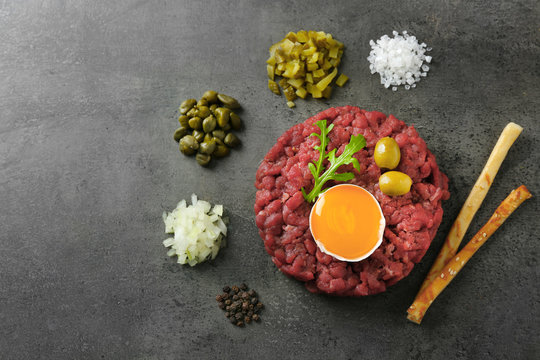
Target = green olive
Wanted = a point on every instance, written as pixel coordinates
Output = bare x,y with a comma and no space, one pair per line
210,96
203,159
209,124
198,135
231,140
221,151
387,153
207,147
213,107
394,183
226,128
220,134
203,112
195,123
188,145
207,137
202,102
187,105
222,116
228,101
180,133
183,120
236,123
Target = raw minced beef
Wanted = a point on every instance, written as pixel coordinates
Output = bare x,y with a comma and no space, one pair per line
412,220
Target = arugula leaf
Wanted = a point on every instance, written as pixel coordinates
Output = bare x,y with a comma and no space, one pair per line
355,144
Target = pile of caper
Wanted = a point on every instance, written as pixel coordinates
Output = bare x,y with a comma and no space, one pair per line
205,126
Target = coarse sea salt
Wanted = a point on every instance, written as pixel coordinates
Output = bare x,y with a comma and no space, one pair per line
399,60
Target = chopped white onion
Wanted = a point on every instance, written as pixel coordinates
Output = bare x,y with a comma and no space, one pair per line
199,231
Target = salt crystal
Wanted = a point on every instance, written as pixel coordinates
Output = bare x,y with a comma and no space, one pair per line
407,87
398,60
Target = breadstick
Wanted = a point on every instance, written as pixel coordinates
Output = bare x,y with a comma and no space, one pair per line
422,302
473,202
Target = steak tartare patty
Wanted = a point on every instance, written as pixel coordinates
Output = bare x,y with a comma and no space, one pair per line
282,214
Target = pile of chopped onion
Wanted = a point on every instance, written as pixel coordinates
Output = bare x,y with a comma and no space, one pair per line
199,231
399,60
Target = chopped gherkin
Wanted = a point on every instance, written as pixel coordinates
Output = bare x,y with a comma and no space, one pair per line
307,61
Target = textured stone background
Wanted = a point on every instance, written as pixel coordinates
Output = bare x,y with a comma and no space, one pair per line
88,95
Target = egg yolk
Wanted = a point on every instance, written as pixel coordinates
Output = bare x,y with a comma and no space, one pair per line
347,222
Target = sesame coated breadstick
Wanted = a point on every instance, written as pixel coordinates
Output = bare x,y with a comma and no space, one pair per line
422,302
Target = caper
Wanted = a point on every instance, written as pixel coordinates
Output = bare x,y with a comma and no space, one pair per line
207,147
180,133
183,120
220,134
228,101
387,153
202,102
222,116
236,123
193,112
394,183
207,137
203,112
210,96
187,105
221,151
188,145
226,128
213,107
231,140
209,124
198,135
218,141
195,123
203,159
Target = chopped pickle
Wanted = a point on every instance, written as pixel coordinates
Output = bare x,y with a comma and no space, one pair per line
302,36
321,85
270,70
291,104
291,36
273,86
307,62
301,92
318,73
296,83
290,93
311,67
341,80
327,92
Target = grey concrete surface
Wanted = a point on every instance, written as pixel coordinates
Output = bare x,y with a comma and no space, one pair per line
88,98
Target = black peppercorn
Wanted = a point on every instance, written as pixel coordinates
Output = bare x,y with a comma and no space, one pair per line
242,305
